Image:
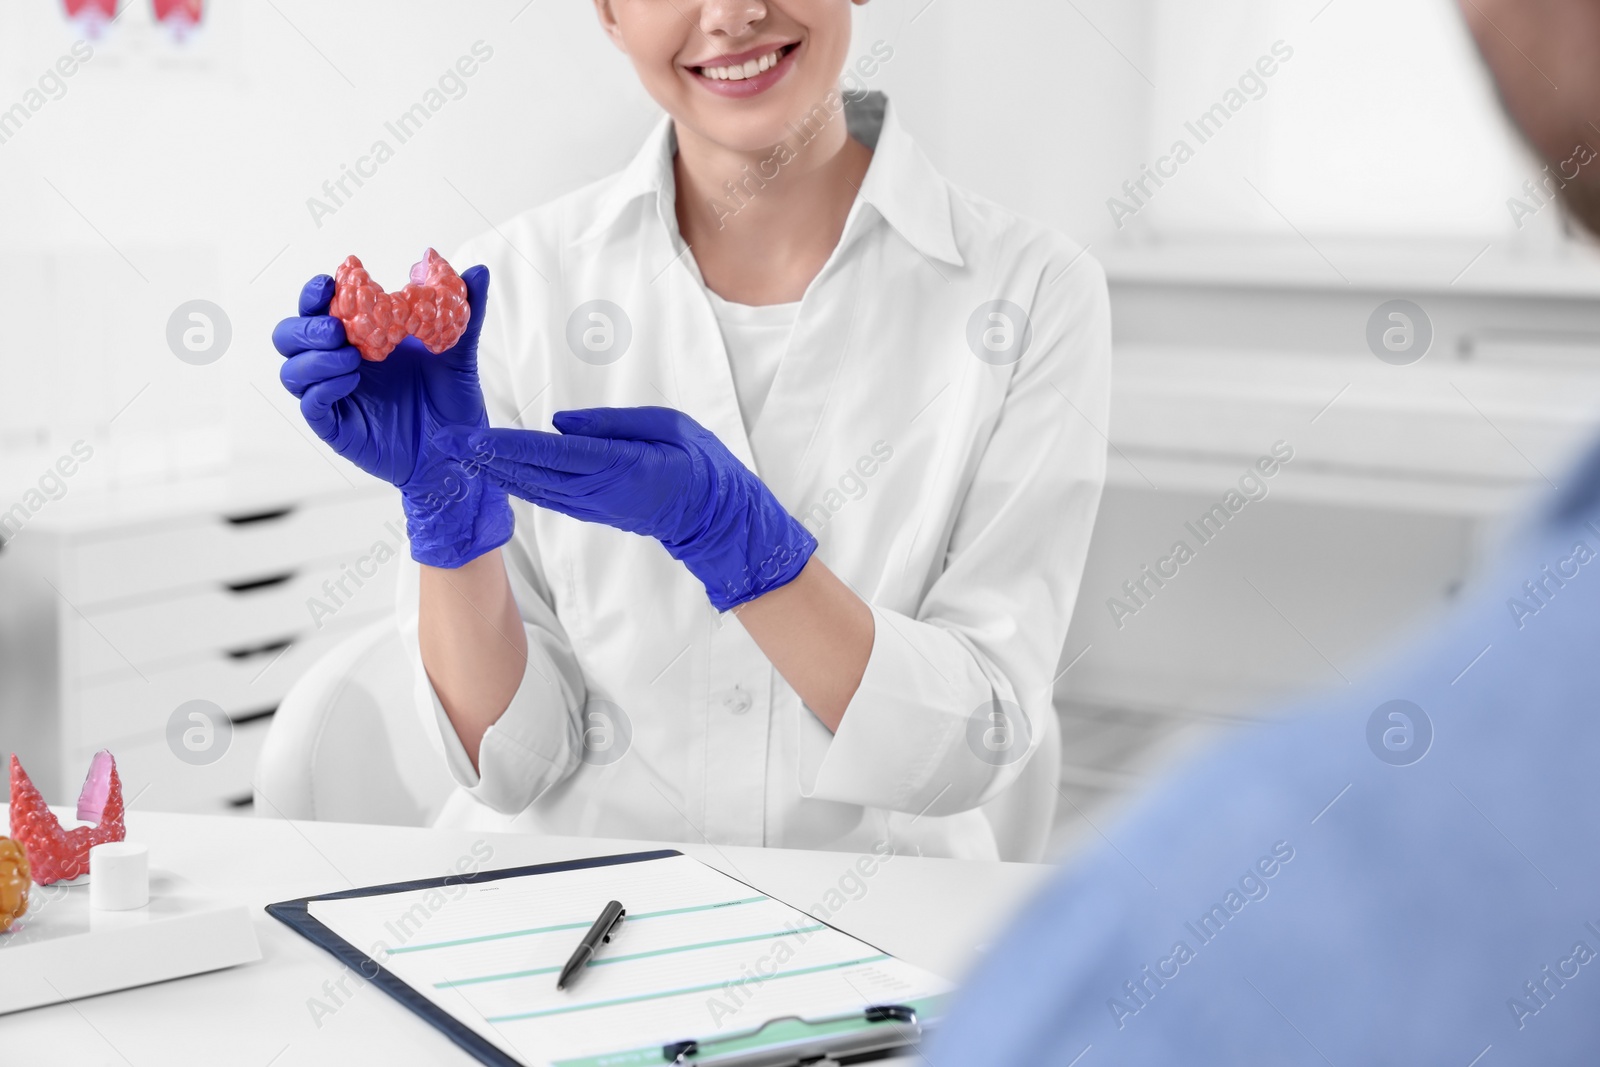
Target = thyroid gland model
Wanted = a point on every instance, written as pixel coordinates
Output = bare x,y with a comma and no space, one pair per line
432,308
54,853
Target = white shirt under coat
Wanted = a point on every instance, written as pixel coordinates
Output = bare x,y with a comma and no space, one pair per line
955,494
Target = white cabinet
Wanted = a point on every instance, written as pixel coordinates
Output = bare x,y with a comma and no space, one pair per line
1402,477
117,609
1220,355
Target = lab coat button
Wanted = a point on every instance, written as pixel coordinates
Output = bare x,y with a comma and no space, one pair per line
737,700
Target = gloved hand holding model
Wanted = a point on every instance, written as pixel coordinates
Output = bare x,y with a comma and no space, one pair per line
381,416
651,471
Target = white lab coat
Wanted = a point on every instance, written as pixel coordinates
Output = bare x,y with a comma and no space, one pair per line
955,494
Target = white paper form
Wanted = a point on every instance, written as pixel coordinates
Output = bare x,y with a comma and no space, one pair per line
699,955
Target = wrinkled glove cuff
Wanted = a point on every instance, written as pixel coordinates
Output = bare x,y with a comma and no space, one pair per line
456,523
753,548
778,566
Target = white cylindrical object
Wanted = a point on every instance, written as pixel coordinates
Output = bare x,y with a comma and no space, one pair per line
119,876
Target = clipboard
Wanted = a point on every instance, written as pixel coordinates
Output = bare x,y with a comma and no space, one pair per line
859,1032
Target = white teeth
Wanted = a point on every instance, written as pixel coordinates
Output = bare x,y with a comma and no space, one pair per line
744,70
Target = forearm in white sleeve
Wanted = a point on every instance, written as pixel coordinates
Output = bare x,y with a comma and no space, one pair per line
916,737
536,742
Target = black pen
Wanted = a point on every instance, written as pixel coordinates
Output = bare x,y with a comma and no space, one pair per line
610,916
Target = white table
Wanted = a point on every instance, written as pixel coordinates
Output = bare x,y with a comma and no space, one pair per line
936,913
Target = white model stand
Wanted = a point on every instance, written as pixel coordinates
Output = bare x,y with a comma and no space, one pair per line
63,949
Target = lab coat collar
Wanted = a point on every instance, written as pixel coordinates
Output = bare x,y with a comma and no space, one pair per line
647,174
901,185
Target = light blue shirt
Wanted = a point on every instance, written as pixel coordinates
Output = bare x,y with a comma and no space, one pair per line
1313,893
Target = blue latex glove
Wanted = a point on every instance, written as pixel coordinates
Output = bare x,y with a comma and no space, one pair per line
382,417
657,472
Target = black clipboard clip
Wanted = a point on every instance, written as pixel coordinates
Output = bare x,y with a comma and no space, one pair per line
904,1030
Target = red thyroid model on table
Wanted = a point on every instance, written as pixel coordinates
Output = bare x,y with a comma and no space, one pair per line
54,853
432,308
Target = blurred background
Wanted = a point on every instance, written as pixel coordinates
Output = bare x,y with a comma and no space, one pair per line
1321,238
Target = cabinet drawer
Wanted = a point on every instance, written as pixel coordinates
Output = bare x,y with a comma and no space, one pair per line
198,550
153,779
221,619
126,706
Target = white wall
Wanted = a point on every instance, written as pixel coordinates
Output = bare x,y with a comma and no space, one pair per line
1378,121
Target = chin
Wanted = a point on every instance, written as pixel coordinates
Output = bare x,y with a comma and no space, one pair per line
746,127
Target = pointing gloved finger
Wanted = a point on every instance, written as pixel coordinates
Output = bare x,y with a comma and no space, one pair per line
535,448
317,403
632,424
506,482
537,479
301,372
538,484
517,487
295,335
316,296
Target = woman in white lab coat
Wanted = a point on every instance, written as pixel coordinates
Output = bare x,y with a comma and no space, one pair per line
902,388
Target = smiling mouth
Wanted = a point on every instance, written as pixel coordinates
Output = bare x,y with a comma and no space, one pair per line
748,69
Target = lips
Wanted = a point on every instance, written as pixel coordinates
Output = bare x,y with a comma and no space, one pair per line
746,73
744,64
